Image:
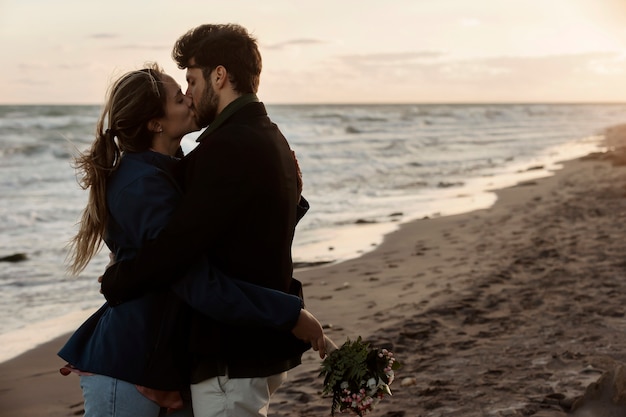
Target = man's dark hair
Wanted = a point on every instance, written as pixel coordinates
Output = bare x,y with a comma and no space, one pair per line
228,45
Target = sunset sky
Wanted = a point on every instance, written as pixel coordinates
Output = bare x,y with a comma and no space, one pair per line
330,51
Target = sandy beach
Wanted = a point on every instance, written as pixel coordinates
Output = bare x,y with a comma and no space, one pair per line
516,310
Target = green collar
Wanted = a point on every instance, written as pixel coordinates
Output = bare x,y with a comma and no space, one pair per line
228,111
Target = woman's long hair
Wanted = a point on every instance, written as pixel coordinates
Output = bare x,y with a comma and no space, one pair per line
133,100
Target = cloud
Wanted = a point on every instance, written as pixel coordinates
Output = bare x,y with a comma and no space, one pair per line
407,58
607,65
438,65
469,22
294,42
30,82
73,66
47,66
557,66
25,66
103,35
435,76
141,47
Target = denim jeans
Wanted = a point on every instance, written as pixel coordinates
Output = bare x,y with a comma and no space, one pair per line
109,397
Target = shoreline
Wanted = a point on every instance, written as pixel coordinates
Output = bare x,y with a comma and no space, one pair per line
423,275
330,247
348,236
339,243
354,241
464,298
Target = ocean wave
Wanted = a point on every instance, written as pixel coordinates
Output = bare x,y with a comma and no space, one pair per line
26,150
68,123
358,162
338,116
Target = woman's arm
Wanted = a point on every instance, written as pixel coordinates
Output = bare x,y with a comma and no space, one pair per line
227,300
140,211
214,195
236,302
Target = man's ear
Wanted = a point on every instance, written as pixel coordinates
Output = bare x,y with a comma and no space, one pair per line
221,76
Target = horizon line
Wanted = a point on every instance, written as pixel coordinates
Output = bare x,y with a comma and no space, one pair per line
390,103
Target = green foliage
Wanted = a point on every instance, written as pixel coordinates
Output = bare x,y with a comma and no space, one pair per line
353,364
348,363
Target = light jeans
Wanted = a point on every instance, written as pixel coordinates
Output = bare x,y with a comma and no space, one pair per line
109,397
237,397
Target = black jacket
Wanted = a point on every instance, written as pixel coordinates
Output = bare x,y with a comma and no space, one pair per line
239,209
145,341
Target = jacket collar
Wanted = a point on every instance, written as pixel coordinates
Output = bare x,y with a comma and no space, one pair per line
153,158
228,111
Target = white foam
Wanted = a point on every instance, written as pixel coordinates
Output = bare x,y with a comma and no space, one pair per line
339,243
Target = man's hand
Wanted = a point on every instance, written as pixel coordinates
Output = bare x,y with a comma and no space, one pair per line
111,262
310,330
300,183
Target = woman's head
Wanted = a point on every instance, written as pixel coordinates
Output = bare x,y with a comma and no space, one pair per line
133,100
143,104
143,107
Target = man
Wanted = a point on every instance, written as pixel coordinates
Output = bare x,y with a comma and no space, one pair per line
240,210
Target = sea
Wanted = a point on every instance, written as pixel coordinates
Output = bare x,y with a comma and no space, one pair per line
366,168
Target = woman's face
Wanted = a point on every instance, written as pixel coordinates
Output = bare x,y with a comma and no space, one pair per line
179,116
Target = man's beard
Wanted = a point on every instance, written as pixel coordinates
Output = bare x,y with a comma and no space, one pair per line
206,112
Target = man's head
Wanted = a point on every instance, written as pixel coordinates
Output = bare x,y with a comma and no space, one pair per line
222,62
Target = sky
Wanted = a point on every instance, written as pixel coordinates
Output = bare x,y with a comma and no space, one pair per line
329,51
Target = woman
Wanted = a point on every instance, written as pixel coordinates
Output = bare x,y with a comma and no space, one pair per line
131,358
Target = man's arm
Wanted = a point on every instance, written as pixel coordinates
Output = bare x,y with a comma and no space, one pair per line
236,302
198,220
195,224
115,288
301,209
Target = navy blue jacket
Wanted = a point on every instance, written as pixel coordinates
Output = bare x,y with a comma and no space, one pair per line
146,340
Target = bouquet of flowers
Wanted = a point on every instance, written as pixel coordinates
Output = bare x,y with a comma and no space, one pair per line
358,376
